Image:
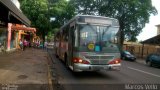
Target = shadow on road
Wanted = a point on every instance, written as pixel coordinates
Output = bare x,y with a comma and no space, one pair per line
90,75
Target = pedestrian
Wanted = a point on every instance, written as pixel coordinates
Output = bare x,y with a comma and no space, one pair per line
45,45
25,43
37,43
21,44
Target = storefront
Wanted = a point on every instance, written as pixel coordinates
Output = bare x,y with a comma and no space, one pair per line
3,38
3,35
20,32
10,14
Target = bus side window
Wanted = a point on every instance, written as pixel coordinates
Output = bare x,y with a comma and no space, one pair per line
72,34
65,35
76,37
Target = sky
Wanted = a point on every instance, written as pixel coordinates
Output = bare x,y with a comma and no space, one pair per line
150,30
16,2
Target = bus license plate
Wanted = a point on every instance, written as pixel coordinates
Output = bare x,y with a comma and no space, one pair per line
99,67
115,67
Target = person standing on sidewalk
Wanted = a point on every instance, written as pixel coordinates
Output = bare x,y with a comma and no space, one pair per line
21,44
25,43
45,45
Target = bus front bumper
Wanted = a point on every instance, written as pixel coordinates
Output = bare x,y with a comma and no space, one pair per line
86,67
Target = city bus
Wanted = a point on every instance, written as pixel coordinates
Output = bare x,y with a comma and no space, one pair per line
89,43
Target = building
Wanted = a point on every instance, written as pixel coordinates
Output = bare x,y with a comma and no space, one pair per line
146,47
13,23
158,29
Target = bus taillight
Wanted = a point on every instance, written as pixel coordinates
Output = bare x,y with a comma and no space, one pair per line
115,61
79,60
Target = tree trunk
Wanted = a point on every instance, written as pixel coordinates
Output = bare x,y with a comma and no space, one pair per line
121,34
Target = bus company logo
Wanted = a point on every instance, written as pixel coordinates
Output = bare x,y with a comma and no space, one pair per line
141,87
91,46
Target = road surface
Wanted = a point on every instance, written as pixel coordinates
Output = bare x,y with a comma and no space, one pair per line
132,76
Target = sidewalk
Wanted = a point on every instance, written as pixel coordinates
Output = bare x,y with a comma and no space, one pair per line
140,60
27,69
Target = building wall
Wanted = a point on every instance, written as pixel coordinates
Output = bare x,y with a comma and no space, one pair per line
158,29
139,51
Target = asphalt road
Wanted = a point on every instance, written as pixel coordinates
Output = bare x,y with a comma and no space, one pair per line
132,76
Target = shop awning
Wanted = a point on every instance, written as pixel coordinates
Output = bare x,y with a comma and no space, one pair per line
10,13
23,28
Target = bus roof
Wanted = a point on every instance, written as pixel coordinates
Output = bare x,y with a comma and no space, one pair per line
81,16
93,16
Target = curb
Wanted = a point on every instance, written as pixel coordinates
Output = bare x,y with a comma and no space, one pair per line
49,74
49,78
141,61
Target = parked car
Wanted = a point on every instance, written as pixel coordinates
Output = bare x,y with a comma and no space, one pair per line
153,59
126,55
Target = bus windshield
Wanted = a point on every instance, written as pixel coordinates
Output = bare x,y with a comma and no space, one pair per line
96,38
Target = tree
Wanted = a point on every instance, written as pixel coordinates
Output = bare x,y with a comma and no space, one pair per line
63,11
37,12
40,11
131,14
88,7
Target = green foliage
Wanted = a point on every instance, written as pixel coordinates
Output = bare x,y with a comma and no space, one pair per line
85,6
50,34
40,11
62,11
132,14
36,11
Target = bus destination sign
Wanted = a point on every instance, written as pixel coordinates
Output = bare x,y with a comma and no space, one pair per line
98,21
